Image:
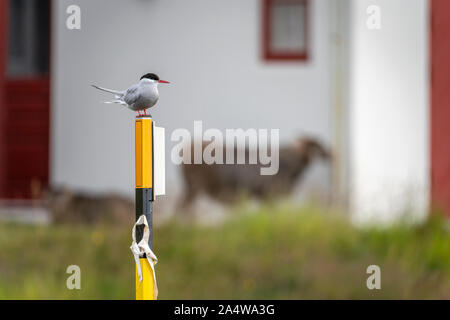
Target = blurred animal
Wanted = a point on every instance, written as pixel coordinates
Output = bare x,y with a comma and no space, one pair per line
79,208
227,182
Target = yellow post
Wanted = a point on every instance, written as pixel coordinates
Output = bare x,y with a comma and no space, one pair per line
144,289
144,199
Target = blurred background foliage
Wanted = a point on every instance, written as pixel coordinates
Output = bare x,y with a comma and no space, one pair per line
274,252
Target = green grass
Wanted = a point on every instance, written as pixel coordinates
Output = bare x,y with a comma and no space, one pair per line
284,252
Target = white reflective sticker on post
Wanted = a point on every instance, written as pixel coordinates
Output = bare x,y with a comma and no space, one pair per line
159,161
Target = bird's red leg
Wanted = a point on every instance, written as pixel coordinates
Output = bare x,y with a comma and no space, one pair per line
139,113
145,112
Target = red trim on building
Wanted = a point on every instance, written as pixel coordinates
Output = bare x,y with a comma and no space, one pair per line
440,105
270,54
3,50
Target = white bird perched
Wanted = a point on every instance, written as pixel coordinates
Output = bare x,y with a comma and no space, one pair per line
138,97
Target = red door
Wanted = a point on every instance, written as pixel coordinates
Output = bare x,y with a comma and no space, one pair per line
440,104
24,138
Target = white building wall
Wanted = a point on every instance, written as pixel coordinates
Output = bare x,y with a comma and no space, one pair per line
208,49
389,111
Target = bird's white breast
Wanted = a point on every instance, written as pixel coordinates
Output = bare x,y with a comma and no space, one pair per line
147,95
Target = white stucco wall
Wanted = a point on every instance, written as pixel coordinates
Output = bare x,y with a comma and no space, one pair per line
208,49
389,111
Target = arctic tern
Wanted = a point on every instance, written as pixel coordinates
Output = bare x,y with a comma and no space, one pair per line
138,97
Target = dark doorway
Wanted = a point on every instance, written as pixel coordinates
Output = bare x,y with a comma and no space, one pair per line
25,100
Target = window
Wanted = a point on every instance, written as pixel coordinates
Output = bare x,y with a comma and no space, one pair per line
28,38
285,29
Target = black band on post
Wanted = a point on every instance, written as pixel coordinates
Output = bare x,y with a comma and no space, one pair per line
144,205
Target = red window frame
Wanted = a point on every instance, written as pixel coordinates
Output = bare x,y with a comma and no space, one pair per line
268,53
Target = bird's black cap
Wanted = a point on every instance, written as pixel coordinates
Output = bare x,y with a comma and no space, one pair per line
151,76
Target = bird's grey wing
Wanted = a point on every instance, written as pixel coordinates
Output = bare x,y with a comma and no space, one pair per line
131,95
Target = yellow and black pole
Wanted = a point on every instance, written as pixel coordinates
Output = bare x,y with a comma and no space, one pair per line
144,204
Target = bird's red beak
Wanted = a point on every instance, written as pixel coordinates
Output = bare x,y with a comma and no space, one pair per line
163,81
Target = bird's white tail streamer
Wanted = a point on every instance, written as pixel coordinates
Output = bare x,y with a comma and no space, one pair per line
116,102
141,248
